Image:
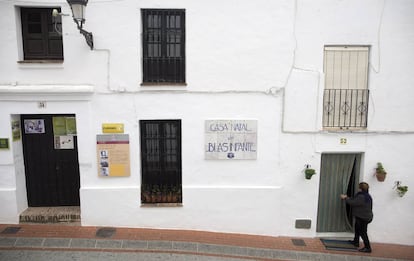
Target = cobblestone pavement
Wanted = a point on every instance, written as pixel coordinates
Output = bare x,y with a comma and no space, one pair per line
63,242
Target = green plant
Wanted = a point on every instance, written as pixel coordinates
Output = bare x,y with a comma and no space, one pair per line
146,194
380,172
402,190
380,169
156,189
176,194
309,172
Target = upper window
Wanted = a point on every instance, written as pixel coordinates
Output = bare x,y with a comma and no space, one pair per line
346,91
42,37
163,42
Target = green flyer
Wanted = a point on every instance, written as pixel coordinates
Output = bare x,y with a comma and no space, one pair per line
59,126
64,126
16,130
71,126
4,143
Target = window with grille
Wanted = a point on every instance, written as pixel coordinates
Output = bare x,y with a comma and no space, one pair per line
345,101
160,161
163,41
41,32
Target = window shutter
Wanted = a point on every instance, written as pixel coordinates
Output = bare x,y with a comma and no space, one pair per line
40,37
346,67
33,42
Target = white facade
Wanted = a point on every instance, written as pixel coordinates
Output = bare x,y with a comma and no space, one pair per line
249,60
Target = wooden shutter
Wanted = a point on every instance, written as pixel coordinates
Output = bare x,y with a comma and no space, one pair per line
346,67
41,39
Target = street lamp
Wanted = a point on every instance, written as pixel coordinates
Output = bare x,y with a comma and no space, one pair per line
78,14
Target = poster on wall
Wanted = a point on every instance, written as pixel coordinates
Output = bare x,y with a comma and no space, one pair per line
64,128
113,155
34,126
64,142
4,144
230,139
16,130
112,128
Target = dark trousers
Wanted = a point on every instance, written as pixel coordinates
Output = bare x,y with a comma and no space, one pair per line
361,227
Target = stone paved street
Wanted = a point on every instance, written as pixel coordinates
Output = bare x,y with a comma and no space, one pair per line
62,242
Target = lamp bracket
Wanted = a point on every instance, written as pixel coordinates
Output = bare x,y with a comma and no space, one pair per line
56,13
88,37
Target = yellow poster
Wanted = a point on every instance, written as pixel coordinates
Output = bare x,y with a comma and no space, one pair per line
113,128
113,155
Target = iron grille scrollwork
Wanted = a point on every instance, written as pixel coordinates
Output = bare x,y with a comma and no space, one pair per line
345,108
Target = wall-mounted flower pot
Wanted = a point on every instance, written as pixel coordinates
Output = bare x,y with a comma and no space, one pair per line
401,190
380,172
309,173
380,176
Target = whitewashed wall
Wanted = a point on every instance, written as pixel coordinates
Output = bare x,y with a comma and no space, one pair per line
260,60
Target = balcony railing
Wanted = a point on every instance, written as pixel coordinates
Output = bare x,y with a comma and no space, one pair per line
345,108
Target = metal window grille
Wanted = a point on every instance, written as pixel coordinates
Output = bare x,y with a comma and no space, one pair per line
161,161
345,108
163,42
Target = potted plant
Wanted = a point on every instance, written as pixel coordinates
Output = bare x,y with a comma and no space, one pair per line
146,194
309,172
176,194
380,172
155,194
169,196
401,190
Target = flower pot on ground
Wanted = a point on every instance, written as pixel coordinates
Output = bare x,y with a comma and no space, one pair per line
309,173
380,172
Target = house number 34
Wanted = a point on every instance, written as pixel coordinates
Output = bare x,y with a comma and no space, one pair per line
41,105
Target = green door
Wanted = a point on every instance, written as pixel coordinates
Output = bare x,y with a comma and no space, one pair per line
339,175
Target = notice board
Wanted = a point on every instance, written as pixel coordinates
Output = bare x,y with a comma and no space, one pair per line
113,155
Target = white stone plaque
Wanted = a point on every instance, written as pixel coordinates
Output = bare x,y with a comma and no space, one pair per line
230,139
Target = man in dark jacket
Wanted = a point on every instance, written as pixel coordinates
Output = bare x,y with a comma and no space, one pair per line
361,205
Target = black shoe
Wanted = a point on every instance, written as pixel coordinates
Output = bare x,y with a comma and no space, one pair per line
353,243
365,250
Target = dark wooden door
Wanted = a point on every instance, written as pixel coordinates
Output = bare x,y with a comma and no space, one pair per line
52,175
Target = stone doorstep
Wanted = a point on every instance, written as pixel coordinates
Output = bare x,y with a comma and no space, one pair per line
49,219
50,215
